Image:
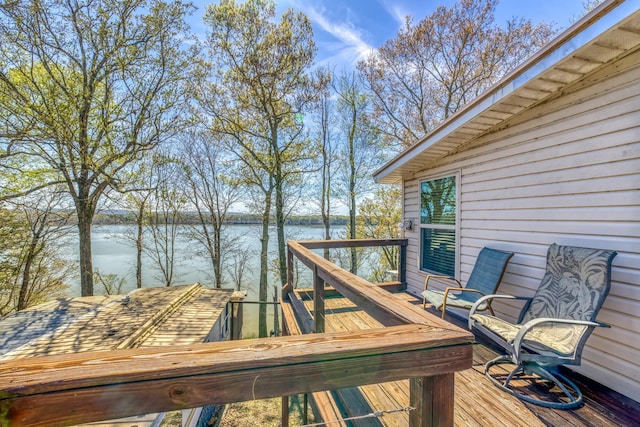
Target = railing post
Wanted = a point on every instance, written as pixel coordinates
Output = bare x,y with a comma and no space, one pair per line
318,302
289,267
432,398
231,322
402,266
284,421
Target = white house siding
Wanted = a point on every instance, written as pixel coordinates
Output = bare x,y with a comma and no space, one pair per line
566,171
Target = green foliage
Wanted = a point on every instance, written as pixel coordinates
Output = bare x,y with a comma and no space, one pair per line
111,283
86,88
31,269
378,218
259,87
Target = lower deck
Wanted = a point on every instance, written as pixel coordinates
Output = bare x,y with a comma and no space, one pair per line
478,402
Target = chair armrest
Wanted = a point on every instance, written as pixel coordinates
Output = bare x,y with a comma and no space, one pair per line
494,296
463,290
488,299
446,295
527,327
446,292
433,276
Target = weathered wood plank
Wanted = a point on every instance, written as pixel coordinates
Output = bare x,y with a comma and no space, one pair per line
391,286
326,408
357,243
433,400
62,390
289,324
322,402
302,315
381,397
478,403
377,302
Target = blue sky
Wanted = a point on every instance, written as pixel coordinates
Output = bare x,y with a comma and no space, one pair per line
345,31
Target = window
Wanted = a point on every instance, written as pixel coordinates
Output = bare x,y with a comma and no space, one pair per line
438,225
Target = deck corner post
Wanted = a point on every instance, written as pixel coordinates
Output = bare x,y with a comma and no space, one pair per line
432,398
289,266
318,302
402,266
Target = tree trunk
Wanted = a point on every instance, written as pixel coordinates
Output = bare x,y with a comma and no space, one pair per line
352,194
264,269
86,264
139,247
217,250
278,184
26,273
282,253
326,180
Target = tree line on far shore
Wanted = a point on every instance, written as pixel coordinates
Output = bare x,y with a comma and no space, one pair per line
233,218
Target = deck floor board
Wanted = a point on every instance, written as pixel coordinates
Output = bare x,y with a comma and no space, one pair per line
478,402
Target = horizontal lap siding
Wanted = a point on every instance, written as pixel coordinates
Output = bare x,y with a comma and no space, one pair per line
567,171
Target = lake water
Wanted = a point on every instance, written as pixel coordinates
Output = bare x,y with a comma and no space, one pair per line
114,253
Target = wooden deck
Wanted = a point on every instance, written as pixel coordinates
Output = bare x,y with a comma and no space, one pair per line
478,402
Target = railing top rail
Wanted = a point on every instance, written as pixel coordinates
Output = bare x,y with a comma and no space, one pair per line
354,243
83,387
377,302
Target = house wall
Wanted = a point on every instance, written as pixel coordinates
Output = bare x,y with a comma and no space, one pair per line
566,171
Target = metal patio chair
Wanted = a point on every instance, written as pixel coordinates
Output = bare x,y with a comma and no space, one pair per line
484,280
553,325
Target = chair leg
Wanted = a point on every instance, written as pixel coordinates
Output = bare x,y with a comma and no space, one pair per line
572,392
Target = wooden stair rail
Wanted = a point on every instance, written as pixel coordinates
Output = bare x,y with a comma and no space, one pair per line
85,387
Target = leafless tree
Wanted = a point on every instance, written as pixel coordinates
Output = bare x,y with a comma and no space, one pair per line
213,188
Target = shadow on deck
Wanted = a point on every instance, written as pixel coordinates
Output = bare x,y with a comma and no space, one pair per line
477,401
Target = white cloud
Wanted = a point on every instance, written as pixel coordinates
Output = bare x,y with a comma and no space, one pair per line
349,45
396,11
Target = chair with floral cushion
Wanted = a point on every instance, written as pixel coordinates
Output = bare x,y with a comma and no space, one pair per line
553,325
484,280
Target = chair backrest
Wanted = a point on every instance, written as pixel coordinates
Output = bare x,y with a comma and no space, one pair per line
488,270
575,284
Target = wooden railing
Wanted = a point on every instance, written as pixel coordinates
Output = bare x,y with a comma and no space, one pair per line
93,386
365,294
431,396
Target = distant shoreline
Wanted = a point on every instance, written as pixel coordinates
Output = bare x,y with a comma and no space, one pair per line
189,218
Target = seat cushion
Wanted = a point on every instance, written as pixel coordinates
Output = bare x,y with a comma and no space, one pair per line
558,338
454,299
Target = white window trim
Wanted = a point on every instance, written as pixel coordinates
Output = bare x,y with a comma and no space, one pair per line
457,174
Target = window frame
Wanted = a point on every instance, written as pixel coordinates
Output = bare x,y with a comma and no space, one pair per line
455,228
